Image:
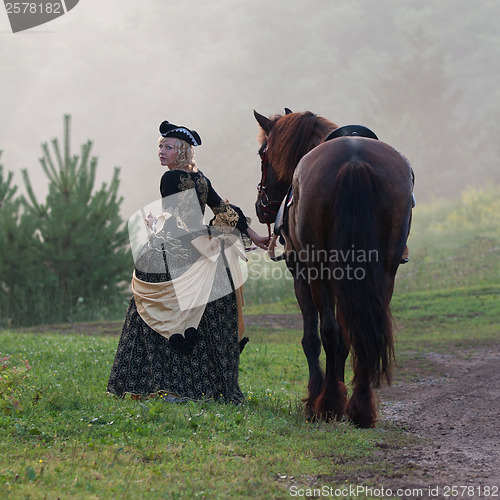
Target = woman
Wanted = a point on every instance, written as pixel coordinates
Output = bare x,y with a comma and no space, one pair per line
181,332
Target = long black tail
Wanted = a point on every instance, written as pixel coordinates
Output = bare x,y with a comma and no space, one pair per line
360,281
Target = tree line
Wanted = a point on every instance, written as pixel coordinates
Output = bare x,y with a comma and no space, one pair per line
65,259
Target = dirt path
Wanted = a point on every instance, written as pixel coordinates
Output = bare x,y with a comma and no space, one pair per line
455,411
451,414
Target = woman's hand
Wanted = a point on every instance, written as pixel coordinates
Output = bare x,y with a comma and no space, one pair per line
150,220
260,241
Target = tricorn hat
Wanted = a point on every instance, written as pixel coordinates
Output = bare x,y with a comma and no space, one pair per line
170,130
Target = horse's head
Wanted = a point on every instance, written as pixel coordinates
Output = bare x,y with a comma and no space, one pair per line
271,190
284,139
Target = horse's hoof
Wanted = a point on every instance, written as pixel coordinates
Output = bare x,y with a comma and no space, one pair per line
362,420
310,415
365,424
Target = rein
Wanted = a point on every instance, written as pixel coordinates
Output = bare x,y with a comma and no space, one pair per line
267,205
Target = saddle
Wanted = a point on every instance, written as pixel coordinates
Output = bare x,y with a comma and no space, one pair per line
353,130
281,221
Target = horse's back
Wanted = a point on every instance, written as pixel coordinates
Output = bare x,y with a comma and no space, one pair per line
379,180
323,162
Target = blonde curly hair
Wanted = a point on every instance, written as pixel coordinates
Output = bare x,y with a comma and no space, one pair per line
185,153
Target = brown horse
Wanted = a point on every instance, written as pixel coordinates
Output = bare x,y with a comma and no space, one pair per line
347,226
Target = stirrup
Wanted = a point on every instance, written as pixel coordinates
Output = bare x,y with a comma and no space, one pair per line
271,249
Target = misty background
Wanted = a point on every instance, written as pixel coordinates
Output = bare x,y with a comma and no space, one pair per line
423,75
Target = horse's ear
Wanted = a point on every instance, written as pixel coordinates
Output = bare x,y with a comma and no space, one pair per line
263,121
288,111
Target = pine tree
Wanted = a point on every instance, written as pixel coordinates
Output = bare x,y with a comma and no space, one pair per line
80,241
9,216
18,270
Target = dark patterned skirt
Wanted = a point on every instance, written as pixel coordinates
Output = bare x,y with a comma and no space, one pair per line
146,364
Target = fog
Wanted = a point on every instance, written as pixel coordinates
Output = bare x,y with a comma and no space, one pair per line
120,67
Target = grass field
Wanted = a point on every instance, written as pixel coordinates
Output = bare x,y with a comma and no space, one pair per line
63,437
70,439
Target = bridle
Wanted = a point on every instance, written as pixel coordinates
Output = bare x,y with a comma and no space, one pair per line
268,206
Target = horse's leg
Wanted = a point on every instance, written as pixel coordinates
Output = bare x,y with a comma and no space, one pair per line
343,349
333,398
311,343
362,407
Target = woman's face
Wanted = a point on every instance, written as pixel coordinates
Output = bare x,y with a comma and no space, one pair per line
167,152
